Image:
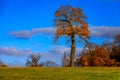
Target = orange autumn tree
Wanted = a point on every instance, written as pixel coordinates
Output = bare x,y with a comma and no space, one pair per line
71,22
115,54
96,55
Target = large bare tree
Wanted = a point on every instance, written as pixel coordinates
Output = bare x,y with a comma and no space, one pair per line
71,22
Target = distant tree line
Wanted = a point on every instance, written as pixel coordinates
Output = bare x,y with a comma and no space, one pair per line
34,61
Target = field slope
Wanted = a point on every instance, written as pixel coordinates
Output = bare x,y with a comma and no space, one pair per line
81,73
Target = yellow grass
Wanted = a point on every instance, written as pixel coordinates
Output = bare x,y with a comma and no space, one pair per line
80,73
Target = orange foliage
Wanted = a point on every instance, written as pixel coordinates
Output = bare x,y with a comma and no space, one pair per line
115,54
96,56
69,20
84,61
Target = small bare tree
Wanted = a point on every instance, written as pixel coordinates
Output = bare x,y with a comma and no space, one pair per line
65,60
49,63
33,60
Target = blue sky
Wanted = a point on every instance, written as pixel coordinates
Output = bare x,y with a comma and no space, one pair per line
27,27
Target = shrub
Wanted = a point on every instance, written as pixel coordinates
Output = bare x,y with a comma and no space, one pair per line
3,65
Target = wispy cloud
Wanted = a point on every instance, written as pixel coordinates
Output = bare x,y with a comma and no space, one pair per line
63,49
104,31
12,51
47,31
21,34
96,31
26,34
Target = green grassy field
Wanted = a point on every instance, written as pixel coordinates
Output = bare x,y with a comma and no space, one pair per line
81,73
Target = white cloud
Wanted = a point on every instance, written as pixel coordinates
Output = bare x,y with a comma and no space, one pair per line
26,34
63,49
12,51
47,31
104,31
96,31
21,34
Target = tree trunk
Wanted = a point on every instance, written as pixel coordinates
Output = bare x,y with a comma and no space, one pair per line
72,54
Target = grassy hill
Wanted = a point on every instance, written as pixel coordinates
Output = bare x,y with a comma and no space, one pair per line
80,73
